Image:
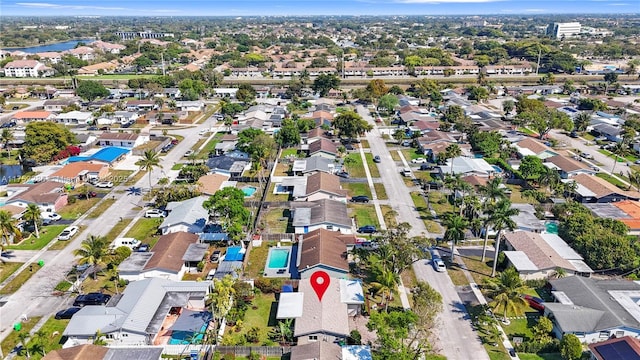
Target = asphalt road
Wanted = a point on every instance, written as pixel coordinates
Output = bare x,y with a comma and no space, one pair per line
456,338
35,297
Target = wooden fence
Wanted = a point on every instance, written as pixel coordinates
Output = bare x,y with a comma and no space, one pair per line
247,350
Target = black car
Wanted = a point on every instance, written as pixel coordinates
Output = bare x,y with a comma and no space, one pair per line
215,256
67,313
92,299
92,128
349,147
367,229
343,174
87,195
426,167
143,248
573,134
360,199
376,159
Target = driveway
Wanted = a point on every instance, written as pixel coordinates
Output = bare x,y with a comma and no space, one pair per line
455,337
35,297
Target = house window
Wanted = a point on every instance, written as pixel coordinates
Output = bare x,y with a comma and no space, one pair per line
329,227
604,334
619,334
313,337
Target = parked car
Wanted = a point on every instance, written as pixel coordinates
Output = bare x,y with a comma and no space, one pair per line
188,153
92,128
143,248
104,184
586,156
367,229
203,132
360,199
343,174
51,216
376,159
406,143
426,167
92,299
174,142
438,265
210,275
215,256
573,134
68,233
419,160
105,128
535,302
67,313
154,213
87,195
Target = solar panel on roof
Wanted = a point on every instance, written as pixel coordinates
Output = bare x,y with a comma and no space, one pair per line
617,351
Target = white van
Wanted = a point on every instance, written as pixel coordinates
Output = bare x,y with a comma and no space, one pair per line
131,243
406,171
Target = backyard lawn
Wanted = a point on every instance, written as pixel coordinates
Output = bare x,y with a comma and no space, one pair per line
276,220
257,260
145,230
288,152
47,233
260,314
52,330
364,214
275,197
75,210
356,189
353,163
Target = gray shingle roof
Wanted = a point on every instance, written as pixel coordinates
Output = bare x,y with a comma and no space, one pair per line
187,212
322,211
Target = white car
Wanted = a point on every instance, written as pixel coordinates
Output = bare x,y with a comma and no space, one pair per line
68,233
419,161
154,213
203,132
104,184
50,216
188,153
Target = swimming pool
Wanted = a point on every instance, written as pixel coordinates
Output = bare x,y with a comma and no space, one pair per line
552,227
497,168
278,258
186,337
249,191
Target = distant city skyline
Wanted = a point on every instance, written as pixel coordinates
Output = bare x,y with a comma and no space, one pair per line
241,8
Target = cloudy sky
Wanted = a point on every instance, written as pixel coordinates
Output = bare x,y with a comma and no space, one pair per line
309,7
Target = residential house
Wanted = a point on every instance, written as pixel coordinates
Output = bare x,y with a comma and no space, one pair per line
323,321
322,118
316,350
610,132
96,352
106,67
531,147
106,155
421,127
592,189
136,318
313,164
26,68
172,93
187,215
352,294
526,219
124,140
316,134
467,166
627,211
226,144
624,348
48,195
234,166
210,184
539,256
568,167
106,47
171,257
28,116
140,105
324,148
323,186
77,173
195,106
58,105
322,214
75,118
83,53
51,57
594,310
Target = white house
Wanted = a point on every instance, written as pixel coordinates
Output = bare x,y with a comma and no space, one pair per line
26,68
188,216
126,140
75,117
190,105
468,166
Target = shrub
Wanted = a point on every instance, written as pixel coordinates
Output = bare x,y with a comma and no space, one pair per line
63,286
354,338
120,254
253,335
71,199
200,266
268,286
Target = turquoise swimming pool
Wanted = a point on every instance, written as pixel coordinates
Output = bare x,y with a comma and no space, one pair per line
249,191
278,258
552,227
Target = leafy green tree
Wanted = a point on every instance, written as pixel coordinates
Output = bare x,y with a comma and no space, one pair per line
91,90
477,93
532,167
289,135
395,339
581,121
228,205
246,93
246,137
570,347
92,251
8,227
143,62
427,304
456,226
544,121
149,161
506,291
222,299
377,88
350,124
488,143
43,140
262,150
526,104
399,135
453,114
6,136
32,214
388,102
542,329
325,82
508,106
500,216
591,104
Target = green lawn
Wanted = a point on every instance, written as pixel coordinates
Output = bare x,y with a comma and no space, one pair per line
177,166
629,157
364,214
104,205
410,154
551,356
52,330
117,229
119,176
257,260
75,210
516,196
22,277
276,220
288,152
353,163
389,215
263,317
8,268
519,327
439,202
425,214
275,197
47,233
133,180
211,145
11,341
612,180
587,136
145,230
373,167
356,189
381,192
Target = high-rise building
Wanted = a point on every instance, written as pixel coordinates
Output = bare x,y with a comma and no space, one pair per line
560,30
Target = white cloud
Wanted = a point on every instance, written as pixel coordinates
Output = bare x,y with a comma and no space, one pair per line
74,7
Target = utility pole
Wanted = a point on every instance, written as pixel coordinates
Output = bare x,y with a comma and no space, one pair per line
162,57
539,53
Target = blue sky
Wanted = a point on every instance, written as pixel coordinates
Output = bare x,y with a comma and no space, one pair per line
309,7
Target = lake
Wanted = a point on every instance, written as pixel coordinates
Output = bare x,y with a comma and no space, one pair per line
8,172
62,46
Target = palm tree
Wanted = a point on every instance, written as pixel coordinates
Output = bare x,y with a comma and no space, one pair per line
500,216
456,226
92,251
99,338
634,179
386,284
620,150
150,160
549,178
494,190
582,121
32,213
8,227
22,338
6,136
452,151
506,292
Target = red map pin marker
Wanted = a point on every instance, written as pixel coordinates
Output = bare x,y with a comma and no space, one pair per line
320,282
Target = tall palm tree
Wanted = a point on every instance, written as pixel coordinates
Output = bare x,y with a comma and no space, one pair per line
456,226
386,284
549,178
500,216
22,338
150,160
32,213
93,251
494,190
506,292
6,136
452,151
620,150
8,227
581,121
634,179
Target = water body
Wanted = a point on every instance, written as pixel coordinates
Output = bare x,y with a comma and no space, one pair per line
62,46
8,172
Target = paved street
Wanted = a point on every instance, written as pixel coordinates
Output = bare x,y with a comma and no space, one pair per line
456,338
35,297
